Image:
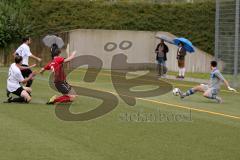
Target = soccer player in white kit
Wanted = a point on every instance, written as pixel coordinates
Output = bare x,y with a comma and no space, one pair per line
25,53
13,82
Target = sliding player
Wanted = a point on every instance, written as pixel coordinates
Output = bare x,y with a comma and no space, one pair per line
211,90
56,66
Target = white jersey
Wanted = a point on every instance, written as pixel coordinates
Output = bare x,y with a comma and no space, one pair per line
24,52
14,78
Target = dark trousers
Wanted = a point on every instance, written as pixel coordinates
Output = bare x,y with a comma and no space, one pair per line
26,73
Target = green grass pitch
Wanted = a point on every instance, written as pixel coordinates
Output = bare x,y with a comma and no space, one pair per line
33,132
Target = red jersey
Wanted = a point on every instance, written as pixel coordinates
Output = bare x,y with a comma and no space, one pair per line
56,65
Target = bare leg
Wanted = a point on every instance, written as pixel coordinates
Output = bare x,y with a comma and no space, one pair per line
25,97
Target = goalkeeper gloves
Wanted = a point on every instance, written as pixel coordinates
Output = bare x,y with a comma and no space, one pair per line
232,89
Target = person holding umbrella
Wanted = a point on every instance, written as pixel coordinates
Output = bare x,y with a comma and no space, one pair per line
161,57
181,53
184,46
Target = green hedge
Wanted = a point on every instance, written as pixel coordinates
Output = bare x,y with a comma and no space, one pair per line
194,21
13,21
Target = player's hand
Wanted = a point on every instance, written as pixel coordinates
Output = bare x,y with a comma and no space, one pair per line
41,71
232,89
39,60
34,65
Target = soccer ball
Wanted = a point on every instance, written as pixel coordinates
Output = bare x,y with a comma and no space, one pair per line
176,91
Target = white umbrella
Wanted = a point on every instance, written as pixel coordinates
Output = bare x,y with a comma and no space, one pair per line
49,40
165,38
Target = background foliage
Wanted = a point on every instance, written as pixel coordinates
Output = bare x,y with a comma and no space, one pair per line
194,21
13,21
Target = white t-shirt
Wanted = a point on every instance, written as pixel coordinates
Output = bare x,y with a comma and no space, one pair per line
24,51
179,49
14,78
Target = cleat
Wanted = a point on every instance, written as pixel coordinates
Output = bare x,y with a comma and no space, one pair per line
51,100
50,103
181,94
8,100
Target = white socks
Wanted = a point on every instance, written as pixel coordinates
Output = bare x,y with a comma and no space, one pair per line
182,72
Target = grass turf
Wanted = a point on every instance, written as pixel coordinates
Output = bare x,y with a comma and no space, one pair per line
32,131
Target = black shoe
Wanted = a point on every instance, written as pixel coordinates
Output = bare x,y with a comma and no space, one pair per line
8,93
50,103
8,100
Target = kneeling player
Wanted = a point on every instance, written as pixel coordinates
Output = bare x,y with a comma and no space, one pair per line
56,65
211,90
13,83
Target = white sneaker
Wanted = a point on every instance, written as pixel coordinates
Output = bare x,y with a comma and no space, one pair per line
164,76
219,100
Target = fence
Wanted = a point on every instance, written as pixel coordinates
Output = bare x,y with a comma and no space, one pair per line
227,44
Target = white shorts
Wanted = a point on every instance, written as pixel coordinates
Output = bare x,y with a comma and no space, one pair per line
211,91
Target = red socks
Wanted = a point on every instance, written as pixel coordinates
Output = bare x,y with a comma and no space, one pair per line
62,99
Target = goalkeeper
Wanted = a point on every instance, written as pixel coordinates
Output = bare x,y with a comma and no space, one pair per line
210,90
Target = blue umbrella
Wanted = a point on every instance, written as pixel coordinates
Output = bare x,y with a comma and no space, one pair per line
187,44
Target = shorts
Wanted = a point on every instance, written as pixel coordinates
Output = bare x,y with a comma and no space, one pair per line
26,72
18,91
161,61
211,91
181,63
63,87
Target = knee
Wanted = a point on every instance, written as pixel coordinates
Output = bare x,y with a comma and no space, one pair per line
30,90
26,96
73,97
205,95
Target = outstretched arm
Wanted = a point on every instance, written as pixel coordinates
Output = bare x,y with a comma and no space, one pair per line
70,57
220,76
23,67
30,77
42,71
228,86
35,57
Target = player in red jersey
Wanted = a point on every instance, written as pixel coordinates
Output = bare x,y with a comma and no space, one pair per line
56,66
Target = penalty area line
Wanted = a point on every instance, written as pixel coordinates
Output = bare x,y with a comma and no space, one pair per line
173,105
